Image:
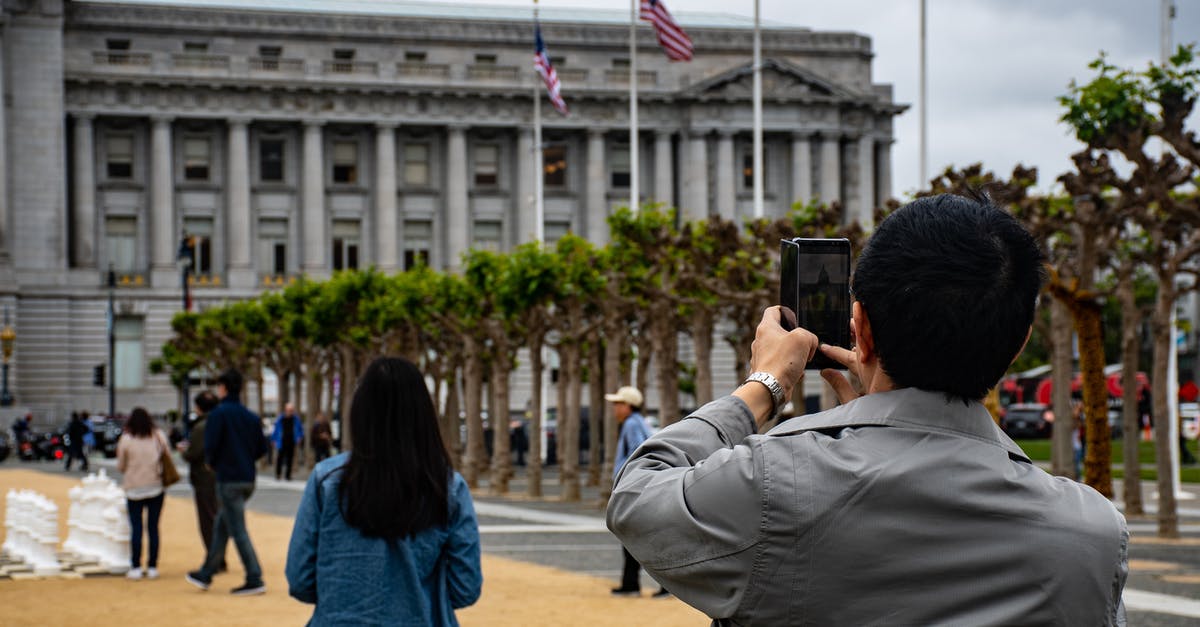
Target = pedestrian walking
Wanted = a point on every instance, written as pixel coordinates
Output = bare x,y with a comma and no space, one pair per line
139,458
288,434
386,533
77,432
233,442
202,478
627,408
322,438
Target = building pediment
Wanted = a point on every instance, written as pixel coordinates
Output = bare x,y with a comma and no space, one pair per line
781,80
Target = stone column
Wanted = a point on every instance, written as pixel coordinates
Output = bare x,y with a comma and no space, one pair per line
387,246
883,165
831,164
164,238
316,244
526,171
801,168
726,175
664,176
5,245
596,207
866,181
457,206
696,181
238,227
83,188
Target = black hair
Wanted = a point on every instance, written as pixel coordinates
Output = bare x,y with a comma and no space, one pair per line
232,380
395,483
949,285
139,424
205,401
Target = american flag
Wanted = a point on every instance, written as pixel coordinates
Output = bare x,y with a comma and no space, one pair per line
671,37
541,62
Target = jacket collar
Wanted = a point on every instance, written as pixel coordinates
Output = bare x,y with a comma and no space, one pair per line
909,408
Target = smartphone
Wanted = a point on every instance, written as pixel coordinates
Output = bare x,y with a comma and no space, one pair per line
814,287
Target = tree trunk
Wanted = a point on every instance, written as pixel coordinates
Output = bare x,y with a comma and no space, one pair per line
595,410
645,353
568,422
560,393
534,460
1160,325
450,420
613,348
475,459
1131,320
314,401
1062,456
1097,463
258,378
702,332
501,450
666,351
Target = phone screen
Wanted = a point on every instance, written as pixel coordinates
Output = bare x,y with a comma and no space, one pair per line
815,285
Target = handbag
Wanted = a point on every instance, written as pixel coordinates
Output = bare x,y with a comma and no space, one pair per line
170,475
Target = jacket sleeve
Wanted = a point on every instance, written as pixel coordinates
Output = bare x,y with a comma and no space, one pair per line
214,430
122,454
464,574
688,505
301,569
195,450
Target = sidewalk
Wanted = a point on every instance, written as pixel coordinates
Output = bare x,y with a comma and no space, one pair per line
514,593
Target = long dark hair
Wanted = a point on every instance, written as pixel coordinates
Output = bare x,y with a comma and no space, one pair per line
395,482
139,424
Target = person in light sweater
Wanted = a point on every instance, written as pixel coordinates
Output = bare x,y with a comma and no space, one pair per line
139,451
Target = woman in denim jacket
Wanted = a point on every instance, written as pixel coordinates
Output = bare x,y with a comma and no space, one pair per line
386,533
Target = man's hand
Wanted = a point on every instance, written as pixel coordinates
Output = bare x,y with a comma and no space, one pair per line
780,352
841,386
182,446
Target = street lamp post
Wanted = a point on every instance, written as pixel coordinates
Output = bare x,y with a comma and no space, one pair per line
184,260
111,280
8,337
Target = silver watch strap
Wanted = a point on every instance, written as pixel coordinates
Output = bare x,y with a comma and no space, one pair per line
773,387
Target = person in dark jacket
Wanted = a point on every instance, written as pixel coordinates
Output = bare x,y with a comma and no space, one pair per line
288,434
76,433
204,482
233,441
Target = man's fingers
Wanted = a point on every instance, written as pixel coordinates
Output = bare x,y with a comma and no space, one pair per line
841,386
845,357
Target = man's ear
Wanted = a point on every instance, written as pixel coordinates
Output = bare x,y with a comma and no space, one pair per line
864,339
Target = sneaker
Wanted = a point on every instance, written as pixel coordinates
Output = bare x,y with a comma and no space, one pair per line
248,589
151,573
134,573
627,592
196,578
661,594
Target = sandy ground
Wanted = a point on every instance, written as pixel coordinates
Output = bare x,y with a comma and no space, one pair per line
514,593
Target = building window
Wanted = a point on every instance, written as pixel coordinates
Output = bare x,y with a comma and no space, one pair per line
118,151
272,247
200,232
417,236
343,60
197,155
120,234
619,165
620,63
748,170
487,157
416,165
555,231
554,163
488,235
117,45
346,240
269,56
270,160
485,59
345,162
195,47
128,359
415,56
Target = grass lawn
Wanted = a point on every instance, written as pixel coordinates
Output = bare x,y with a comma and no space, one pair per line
1039,450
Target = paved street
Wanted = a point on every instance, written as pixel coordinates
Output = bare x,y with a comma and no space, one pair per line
1163,588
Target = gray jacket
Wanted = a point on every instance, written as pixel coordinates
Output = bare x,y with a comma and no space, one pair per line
899,508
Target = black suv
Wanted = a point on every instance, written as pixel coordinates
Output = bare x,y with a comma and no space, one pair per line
1028,420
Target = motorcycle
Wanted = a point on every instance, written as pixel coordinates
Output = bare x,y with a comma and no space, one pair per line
42,446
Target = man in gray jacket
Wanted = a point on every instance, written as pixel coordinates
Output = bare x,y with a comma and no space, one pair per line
905,506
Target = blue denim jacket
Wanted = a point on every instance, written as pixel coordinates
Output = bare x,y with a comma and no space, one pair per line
355,580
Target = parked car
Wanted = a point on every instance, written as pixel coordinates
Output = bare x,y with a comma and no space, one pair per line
1028,420
106,430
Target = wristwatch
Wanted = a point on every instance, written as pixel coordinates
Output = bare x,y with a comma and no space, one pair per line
773,387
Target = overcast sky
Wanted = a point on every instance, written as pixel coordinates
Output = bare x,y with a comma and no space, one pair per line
996,67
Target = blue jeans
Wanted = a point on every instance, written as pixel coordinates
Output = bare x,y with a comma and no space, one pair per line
153,507
231,523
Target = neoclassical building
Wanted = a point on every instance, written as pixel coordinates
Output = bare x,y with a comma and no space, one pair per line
285,140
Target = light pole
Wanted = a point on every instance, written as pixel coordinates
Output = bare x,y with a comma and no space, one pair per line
8,337
184,260
111,280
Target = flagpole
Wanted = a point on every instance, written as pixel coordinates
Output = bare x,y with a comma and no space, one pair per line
923,161
539,206
634,197
758,131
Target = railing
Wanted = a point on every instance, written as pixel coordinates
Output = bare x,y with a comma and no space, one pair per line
487,72
422,70
131,279
204,280
120,57
338,66
572,76
194,61
276,64
276,280
620,76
